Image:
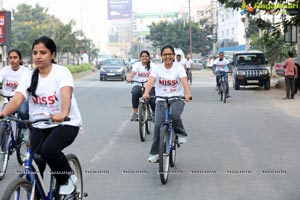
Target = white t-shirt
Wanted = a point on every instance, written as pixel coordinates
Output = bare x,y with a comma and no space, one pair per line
168,81
181,62
142,74
49,99
188,63
221,65
10,79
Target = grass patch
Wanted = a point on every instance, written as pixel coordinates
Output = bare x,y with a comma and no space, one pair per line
75,69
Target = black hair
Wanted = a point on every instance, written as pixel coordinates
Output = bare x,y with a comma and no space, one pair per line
167,47
290,54
221,53
49,44
146,52
19,54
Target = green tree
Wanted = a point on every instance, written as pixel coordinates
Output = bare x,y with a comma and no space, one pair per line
30,22
177,34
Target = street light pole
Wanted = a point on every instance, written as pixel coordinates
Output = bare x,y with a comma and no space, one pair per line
190,29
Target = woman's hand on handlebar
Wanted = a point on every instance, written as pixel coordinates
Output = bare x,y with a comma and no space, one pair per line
59,117
145,96
188,97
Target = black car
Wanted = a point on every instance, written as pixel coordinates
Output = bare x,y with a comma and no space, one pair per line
114,68
249,68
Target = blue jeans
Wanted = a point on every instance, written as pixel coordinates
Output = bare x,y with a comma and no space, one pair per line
22,111
225,80
176,110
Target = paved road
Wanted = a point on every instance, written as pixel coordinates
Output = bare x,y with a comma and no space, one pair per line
245,149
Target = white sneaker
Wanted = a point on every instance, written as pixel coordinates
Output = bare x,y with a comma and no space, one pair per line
153,158
68,187
182,139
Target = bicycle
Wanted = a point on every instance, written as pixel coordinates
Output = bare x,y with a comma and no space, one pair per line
189,75
222,86
30,180
10,142
168,141
144,113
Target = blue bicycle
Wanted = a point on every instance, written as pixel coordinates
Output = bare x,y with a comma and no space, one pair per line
10,142
30,180
168,141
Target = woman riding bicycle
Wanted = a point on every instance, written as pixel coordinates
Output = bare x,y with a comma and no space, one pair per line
10,77
170,80
49,91
140,72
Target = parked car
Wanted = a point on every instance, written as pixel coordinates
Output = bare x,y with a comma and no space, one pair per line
279,70
210,61
114,68
197,64
249,68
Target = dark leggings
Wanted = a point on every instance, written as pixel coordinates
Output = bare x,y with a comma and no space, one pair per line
290,86
49,143
137,94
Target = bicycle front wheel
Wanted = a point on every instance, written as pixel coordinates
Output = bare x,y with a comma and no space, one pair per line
173,150
4,154
143,125
224,92
164,165
21,146
75,165
19,189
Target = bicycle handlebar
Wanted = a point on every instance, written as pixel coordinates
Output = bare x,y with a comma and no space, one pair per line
47,120
5,96
134,81
168,98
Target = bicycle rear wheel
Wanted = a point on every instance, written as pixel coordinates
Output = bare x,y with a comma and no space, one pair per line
75,165
21,148
4,151
143,122
224,91
19,189
164,164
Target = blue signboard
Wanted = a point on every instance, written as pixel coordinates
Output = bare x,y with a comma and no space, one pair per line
119,9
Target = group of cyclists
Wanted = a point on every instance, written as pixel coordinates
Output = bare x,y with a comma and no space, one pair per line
46,91
168,78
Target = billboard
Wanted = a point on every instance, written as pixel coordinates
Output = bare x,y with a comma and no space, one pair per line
119,9
5,28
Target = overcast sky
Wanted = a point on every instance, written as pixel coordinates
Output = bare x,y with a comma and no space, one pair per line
91,15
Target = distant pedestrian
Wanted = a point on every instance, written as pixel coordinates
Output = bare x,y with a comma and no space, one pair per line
291,72
297,80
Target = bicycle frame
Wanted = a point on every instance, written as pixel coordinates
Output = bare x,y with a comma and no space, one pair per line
9,127
31,171
168,123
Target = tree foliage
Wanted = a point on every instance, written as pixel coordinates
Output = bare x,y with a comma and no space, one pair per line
177,34
29,23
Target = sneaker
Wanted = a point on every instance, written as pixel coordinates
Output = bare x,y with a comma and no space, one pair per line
285,98
134,117
68,187
153,158
228,96
182,139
